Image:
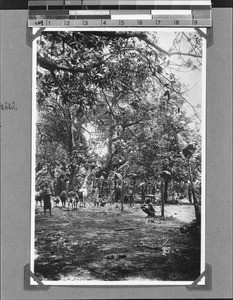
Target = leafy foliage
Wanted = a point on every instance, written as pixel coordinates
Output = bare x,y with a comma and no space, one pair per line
110,99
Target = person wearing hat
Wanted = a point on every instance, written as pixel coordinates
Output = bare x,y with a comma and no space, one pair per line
148,209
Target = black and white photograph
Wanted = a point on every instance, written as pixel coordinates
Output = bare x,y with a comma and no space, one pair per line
116,149
118,157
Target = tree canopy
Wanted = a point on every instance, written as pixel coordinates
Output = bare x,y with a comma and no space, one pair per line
113,102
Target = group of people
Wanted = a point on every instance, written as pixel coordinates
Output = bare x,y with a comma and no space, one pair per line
71,199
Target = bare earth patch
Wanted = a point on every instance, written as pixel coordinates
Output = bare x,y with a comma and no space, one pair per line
109,245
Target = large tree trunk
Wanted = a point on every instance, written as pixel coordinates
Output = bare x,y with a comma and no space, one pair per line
77,141
71,178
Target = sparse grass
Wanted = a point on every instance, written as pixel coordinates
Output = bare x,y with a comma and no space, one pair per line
95,243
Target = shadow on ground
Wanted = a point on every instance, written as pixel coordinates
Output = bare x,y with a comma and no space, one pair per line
109,245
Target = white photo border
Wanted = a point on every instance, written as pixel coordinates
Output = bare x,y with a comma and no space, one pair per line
203,174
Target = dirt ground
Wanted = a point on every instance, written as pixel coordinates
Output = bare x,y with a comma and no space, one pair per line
109,245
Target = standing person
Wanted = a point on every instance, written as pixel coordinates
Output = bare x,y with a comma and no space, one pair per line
126,198
56,201
175,198
47,202
83,196
143,194
112,197
80,195
96,197
118,193
131,200
148,209
63,198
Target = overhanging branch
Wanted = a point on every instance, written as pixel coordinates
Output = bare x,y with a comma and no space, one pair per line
52,66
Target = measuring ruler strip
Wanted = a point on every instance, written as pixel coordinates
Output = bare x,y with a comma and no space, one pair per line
90,13
115,23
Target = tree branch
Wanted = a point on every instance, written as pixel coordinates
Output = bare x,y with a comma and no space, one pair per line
133,123
179,94
149,42
52,66
143,37
105,97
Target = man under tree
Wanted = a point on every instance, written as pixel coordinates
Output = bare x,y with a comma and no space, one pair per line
148,209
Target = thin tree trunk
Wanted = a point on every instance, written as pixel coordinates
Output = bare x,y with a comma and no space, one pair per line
197,212
162,198
190,194
166,191
108,164
122,196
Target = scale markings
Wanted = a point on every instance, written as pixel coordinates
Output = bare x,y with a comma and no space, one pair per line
119,13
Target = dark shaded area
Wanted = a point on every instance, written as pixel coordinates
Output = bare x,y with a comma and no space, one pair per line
105,244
